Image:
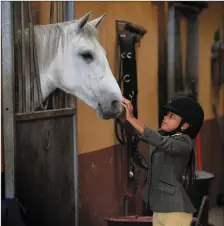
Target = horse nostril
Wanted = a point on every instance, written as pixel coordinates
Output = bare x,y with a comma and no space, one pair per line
114,103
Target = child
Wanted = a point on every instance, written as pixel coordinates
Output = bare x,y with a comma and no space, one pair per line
171,154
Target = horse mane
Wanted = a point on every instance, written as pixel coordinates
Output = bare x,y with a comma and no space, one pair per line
48,37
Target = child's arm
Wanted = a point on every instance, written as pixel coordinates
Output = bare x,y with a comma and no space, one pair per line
177,145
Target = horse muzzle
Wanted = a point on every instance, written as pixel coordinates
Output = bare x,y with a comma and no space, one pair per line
110,109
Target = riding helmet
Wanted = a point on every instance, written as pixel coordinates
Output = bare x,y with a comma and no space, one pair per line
189,110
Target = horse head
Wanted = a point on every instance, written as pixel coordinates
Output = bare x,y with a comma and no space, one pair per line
81,68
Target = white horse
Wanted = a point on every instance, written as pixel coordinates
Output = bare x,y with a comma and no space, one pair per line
70,58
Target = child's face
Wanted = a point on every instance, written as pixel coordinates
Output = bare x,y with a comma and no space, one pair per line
170,122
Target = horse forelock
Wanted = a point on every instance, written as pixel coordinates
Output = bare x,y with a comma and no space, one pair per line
89,31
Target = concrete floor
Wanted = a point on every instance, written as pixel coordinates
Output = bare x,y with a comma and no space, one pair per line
216,216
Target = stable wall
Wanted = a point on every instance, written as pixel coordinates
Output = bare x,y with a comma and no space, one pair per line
101,160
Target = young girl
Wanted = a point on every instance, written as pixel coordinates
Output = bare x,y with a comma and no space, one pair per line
171,155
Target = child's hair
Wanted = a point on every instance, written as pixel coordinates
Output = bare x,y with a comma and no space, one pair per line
189,175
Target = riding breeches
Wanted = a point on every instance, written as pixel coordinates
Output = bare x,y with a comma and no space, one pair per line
172,219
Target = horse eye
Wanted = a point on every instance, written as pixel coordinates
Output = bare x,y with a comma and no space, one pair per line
87,56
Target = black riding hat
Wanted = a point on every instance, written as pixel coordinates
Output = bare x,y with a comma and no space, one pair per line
190,110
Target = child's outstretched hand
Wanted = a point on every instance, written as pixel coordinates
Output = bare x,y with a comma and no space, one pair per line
128,108
127,114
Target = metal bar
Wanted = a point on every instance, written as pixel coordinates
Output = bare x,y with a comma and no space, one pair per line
171,51
162,57
51,22
31,39
37,73
52,13
18,94
70,15
58,12
64,96
63,11
203,202
178,54
8,97
44,114
23,60
191,69
69,10
57,91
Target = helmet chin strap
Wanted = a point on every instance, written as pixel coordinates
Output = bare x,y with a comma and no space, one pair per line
177,130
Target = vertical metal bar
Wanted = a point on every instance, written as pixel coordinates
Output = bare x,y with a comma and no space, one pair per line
63,10
23,60
63,98
36,68
51,22
18,96
52,12
17,56
70,15
162,57
171,50
8,97
66,96
37,73
178,55
58,91
31,39
191,69
70,10
58,12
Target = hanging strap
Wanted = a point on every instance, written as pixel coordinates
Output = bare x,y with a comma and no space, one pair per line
128,81
129,75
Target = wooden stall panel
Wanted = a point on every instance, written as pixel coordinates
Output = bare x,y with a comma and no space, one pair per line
45,170
95,134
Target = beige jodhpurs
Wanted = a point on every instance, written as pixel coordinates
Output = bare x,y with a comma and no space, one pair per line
172,219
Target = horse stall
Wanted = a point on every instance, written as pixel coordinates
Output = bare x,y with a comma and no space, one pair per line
40,141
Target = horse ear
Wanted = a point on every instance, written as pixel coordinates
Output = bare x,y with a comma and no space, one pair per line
97,21
82,21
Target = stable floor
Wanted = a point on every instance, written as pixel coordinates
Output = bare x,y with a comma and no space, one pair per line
216,216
